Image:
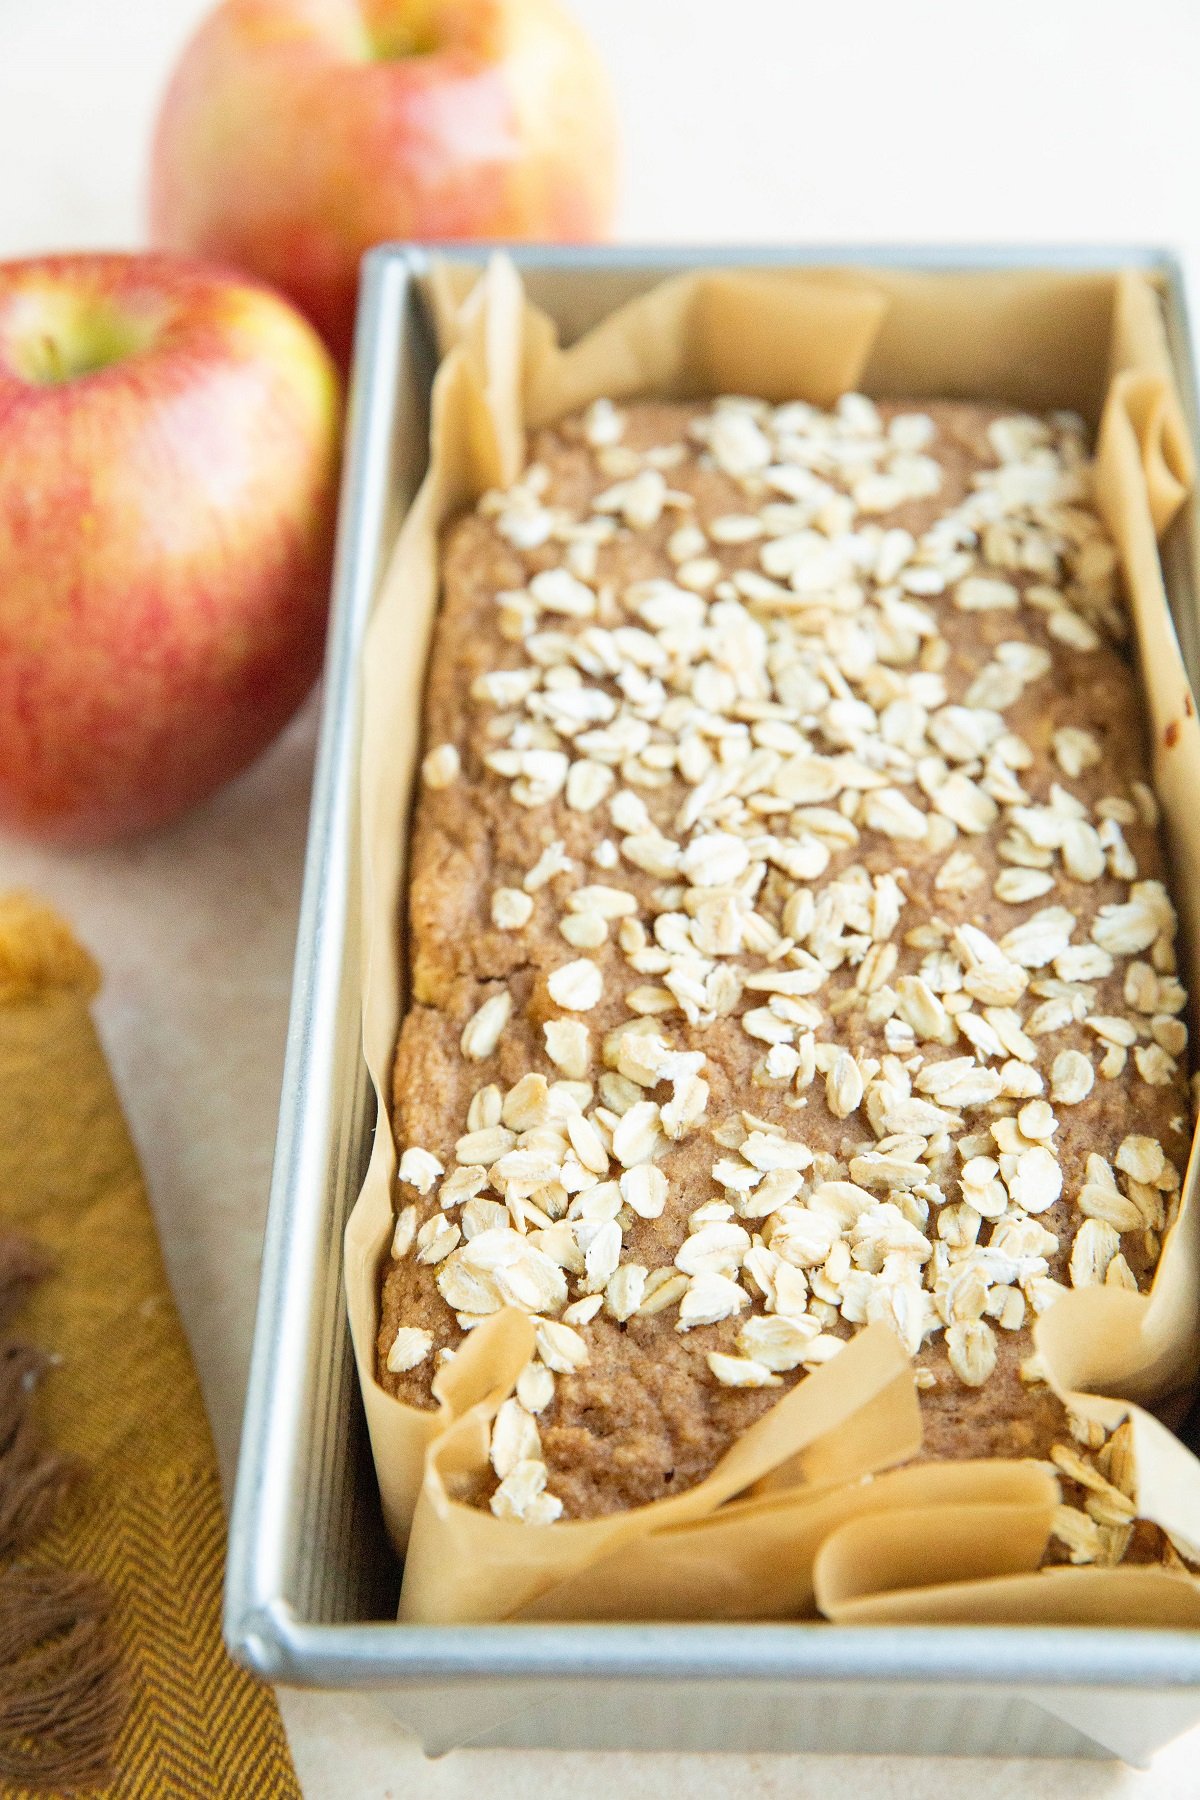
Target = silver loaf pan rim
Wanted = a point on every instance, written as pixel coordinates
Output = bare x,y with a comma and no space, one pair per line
310,1582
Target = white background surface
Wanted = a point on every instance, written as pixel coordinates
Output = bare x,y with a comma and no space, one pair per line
744,120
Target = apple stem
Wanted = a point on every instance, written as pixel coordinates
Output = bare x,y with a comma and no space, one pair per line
53,358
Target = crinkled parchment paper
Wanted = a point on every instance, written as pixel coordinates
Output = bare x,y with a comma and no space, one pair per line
807,1513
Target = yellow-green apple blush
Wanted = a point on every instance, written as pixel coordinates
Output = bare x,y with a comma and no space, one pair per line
168,466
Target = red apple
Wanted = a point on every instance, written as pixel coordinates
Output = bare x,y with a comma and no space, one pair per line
168,463
297,133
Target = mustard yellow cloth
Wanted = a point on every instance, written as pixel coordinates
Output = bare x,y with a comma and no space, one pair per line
148,1517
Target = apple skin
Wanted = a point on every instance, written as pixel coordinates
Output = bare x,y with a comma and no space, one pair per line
166,527
295,134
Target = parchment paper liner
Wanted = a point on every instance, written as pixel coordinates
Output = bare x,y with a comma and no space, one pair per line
879,1571
1092,342
520,1565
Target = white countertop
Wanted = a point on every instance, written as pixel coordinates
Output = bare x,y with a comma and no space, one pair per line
758,120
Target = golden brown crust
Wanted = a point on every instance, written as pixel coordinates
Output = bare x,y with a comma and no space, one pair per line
647,1416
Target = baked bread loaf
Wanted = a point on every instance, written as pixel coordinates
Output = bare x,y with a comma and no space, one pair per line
788,936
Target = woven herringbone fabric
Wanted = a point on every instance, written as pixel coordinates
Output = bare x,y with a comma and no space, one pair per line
148,1518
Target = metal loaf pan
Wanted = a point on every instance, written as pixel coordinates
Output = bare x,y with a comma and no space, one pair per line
311,1585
